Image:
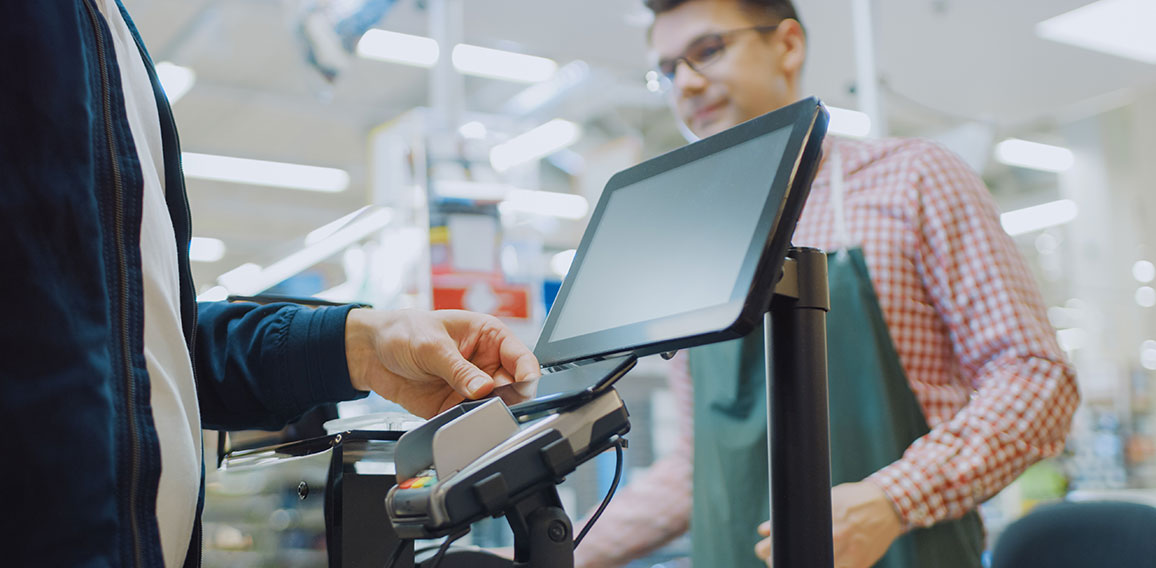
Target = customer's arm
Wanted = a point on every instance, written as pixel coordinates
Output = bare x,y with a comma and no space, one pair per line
262,366
1024,390
654,508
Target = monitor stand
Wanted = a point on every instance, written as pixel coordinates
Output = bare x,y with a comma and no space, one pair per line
798,453
797,423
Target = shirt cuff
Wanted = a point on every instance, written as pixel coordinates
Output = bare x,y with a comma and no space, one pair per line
316,349
908,501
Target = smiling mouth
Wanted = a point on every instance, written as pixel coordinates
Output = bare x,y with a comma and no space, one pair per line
705,113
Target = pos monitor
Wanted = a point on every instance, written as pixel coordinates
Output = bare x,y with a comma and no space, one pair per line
685,249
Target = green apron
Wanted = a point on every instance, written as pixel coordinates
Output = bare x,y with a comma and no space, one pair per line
874,417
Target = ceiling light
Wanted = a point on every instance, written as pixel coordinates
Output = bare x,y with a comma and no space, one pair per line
1143,271
214,294
1148,354
1116,27
560,263
261,172
421,51
848,122
473,130
1146,296
175,80
498,64
653,83
324,231
537,143
238,279
250,278
1025,154
538,95
546,203
204,249
1038,217
396,47
1148,359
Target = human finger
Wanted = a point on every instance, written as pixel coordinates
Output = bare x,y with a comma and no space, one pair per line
763,550
446,362
517,359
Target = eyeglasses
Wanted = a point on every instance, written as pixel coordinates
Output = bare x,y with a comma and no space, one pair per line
705,50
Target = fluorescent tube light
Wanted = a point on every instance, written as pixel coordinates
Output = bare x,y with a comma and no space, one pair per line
538,95
546,203
324,231
204,249
1117,27
1025,154
421,51
214,294
848,122
250,278
517,200
175,80
239,279
261,172
1038,217
537,143
505,65
396,47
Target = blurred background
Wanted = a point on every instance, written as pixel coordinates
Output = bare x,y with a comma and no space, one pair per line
446,153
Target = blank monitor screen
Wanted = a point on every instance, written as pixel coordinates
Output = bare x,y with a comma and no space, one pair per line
673,243
673,247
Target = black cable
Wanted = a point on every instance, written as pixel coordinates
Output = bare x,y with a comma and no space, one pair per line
609,494
393,558
437,559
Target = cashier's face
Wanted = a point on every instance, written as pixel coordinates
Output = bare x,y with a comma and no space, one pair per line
744,73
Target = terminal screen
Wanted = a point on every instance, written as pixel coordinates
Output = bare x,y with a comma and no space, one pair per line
673,243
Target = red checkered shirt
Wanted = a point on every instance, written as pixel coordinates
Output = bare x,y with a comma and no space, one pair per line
968,323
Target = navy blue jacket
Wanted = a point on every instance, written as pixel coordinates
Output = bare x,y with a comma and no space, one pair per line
79,455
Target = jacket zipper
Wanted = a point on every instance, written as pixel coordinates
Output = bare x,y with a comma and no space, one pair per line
122,273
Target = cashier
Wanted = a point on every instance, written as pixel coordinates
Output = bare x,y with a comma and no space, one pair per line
946,380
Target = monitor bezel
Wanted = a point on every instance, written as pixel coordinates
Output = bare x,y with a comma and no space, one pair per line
762,264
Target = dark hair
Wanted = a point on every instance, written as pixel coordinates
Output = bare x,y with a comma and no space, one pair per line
777,9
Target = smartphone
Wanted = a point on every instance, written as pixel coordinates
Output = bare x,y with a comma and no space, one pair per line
600,375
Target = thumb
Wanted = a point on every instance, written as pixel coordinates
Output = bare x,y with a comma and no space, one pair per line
463,376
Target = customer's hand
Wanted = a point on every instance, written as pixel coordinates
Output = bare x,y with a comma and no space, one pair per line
430,361
863,524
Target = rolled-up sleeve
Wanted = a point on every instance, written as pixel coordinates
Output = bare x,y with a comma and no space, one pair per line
1023,390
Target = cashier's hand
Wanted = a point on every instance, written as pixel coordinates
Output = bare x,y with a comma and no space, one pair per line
864,524
430,361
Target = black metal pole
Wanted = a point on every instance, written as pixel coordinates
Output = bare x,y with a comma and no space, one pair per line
799,452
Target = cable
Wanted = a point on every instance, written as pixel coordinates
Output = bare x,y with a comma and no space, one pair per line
609,494
437,559
393,558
